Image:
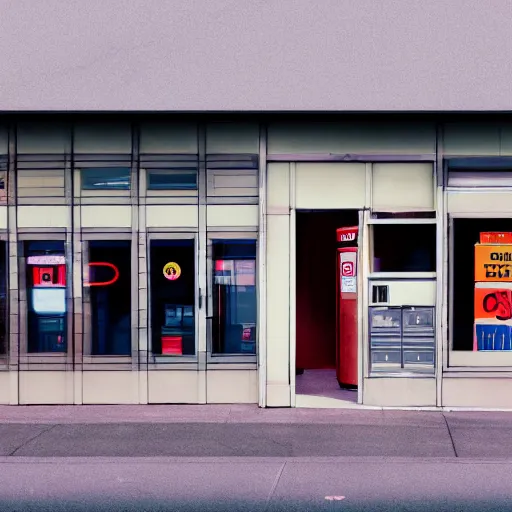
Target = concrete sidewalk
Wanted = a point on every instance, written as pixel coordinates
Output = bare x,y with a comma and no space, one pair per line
247,431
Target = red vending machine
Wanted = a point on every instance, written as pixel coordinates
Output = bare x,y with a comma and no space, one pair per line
346,306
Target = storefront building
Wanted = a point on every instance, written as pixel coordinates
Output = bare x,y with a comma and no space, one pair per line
192,260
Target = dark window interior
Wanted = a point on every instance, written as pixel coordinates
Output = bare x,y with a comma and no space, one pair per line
110,304
171,180
172,300
466,233
404,247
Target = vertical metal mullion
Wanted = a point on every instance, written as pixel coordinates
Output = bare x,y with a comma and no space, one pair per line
201,247
13,266
402,337
202,221
209,296
136,265
69,252
292,279
363,338
261,274
441,274
144,326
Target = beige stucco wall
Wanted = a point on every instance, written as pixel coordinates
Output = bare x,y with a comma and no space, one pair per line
481,392
342,185
399,392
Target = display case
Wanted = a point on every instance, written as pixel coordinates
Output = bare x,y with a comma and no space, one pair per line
386,339
418,339
402,340
492,330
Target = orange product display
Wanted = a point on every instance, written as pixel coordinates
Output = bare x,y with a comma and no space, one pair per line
493,303
493,292
495,237
493,263
172,345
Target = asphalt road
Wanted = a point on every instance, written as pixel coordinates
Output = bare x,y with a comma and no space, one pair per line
243,484
236,458
372,434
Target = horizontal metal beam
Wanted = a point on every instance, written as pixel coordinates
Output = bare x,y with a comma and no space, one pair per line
349,157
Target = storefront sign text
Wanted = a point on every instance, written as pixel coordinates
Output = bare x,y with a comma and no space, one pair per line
493,263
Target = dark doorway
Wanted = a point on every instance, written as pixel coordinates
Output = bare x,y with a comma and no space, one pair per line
316,286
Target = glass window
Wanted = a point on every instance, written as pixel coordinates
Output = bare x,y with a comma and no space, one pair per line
108,178
172,296
46,296
166,179
481,285
477,172
109,296
404,248
234,297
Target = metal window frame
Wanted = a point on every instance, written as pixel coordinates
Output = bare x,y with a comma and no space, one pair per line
4,358
231,359
166,362
102,196
44,360
464,356
35,163
84,170
4,174
169,163
103,362
371,232
445,165
171,172
351,157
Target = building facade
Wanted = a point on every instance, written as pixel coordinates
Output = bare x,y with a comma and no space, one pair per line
164,259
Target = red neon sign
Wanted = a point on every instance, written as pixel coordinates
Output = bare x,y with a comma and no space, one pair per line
104,264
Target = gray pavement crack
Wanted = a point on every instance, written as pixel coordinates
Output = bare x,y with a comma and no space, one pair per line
27,441
274,485
450,434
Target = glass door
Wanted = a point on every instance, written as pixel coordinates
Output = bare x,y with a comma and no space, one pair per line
107,299
173,303
232,297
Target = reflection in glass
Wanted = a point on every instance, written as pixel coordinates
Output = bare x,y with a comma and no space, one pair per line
46,296
109,291
108,178
163,179
234,297
172,296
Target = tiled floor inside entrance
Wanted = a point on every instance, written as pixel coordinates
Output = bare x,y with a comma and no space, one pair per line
319,388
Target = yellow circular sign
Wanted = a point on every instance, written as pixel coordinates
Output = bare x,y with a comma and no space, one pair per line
172,271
